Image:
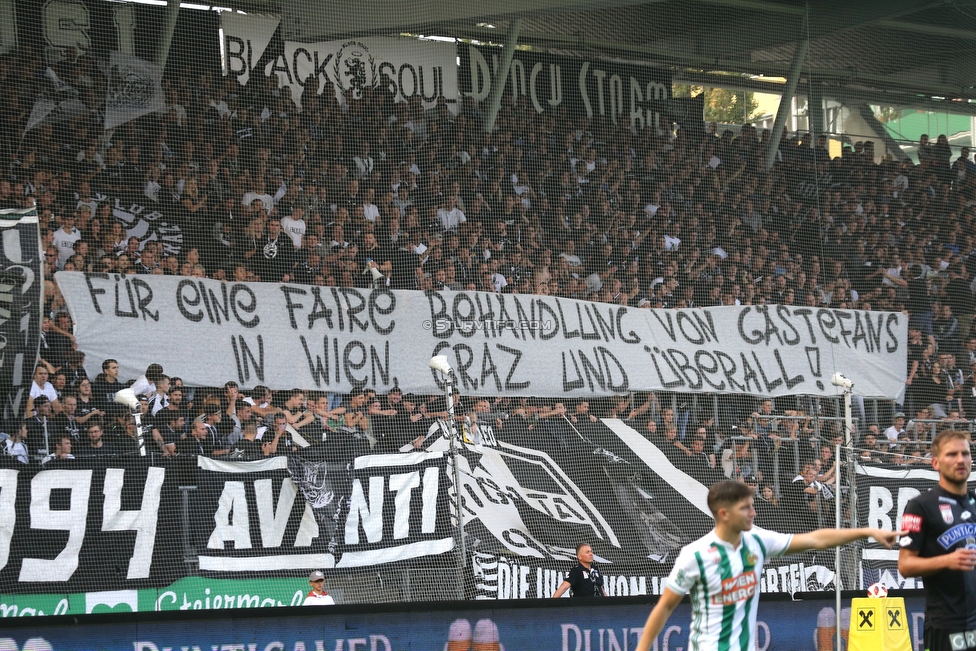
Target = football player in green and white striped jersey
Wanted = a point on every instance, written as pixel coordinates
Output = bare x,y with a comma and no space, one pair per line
721,571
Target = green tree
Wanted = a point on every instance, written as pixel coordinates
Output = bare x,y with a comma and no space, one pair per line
887,114
721,104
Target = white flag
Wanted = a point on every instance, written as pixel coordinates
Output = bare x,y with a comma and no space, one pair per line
246,37
134,89
57,100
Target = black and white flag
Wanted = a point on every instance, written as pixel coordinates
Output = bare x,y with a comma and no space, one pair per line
134,89
56,101
21,306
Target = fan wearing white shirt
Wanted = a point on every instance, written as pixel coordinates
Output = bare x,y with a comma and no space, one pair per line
449,215
65,238
364,162
569,254
371,211
41,387
146,384
318,596
294,225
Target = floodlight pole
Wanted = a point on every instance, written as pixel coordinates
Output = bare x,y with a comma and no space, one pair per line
786,101
848,443
501,75
453,435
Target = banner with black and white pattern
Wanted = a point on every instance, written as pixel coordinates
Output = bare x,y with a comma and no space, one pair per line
21,306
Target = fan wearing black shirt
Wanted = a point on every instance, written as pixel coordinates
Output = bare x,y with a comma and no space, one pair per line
276,255
67,421
248,445
106,384
584,580
169,429
200,441
940,545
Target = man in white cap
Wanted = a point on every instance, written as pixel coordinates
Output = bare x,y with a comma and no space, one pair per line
317,596
896,430
459,636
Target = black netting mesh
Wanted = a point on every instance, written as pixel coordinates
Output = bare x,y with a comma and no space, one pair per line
359,161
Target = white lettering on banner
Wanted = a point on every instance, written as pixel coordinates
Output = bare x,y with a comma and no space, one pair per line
403,484
66,24
575,638
407,534
232,522
142,521
32,644
880,504
273,521
408,68
371,515
341,338
246,37
374,642
70,512
74,520
617,91
497,577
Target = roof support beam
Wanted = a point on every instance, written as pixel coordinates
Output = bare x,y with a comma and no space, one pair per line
760,5
664,57
166,38
924,28
879,130
786,100
501,75
815,102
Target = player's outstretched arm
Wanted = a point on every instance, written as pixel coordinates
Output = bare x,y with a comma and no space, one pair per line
658,618
827,538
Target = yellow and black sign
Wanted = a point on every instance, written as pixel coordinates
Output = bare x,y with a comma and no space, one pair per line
879,625
866,618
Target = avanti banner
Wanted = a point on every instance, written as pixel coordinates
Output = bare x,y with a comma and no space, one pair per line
123,530
340,339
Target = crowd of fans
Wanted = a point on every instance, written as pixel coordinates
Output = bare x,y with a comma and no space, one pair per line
553,203
787,454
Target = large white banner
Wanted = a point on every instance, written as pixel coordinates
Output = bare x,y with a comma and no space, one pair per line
337,339
411,67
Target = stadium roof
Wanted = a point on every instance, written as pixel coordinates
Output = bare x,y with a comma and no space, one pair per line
906,53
